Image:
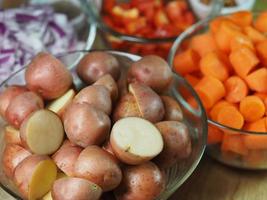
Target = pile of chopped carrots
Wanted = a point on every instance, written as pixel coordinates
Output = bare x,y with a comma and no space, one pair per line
227,66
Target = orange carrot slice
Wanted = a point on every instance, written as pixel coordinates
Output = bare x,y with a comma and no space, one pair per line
257,126
231,117
212,65
252,108
186,62
256,142
234,143
243,61
262,51
215,135
261,95
236,89
193,80
216,109
254,34
216,23
261,21
241,18
240,41
210,90
257,80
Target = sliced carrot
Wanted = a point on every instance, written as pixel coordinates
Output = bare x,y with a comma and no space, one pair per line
254,158
216,109
241,18
210,90
234,143
262,96
252,108
215,135
262,51
227,30
193,80
254,34
243,61
215,23
257,80
236,89
261,21
212,65
256,141
257,126
231,117
203,40
240,41
186,62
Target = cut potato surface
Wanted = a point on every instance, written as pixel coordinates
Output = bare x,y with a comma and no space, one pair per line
135,140
42,132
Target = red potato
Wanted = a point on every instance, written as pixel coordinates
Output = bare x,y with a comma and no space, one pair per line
110,84
66,156
98,166
135,140
173,111
60,104
86,125
22,106
142,182
8,95
47,76
94,65
177,143
34,176
152,71
97,96
12,135
13,154
42,132
75,189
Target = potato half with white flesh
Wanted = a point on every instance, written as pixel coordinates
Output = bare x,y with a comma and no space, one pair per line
42,132
59,105
135,140
12,135
34,176
70,188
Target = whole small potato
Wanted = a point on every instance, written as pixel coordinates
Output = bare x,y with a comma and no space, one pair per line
22,106
152,71
86,125
142,182
47,76
94,65
8,95
70,188
173,111
97,96
13,154
66,156
98,166
177,143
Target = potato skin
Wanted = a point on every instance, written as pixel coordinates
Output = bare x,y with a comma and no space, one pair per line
97,96
8,95
70,188
173,111
47,76
86,125
66,156
98,166
12,136
142,182
22,106
13,155
177,143
94,65
152,71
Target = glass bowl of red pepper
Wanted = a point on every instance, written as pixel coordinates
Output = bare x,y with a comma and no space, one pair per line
141,27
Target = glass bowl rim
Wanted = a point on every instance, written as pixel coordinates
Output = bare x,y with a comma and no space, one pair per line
202,117
190,32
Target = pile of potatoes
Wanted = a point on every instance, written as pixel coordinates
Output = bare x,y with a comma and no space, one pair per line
117,134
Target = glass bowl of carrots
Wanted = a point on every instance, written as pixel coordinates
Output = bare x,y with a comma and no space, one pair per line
141,27
224,59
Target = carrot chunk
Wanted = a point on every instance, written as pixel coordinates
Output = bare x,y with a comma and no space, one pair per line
234,143
217,107
256,142
257,80
242,18
193,80
254,34
240,41
231,117
236,89
252,108
261,22
215,135
243,61
262,51
257,126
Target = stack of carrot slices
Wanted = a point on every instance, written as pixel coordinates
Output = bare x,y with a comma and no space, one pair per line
227,66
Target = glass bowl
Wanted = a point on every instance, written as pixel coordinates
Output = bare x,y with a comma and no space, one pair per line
130,43
251,159
195,118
